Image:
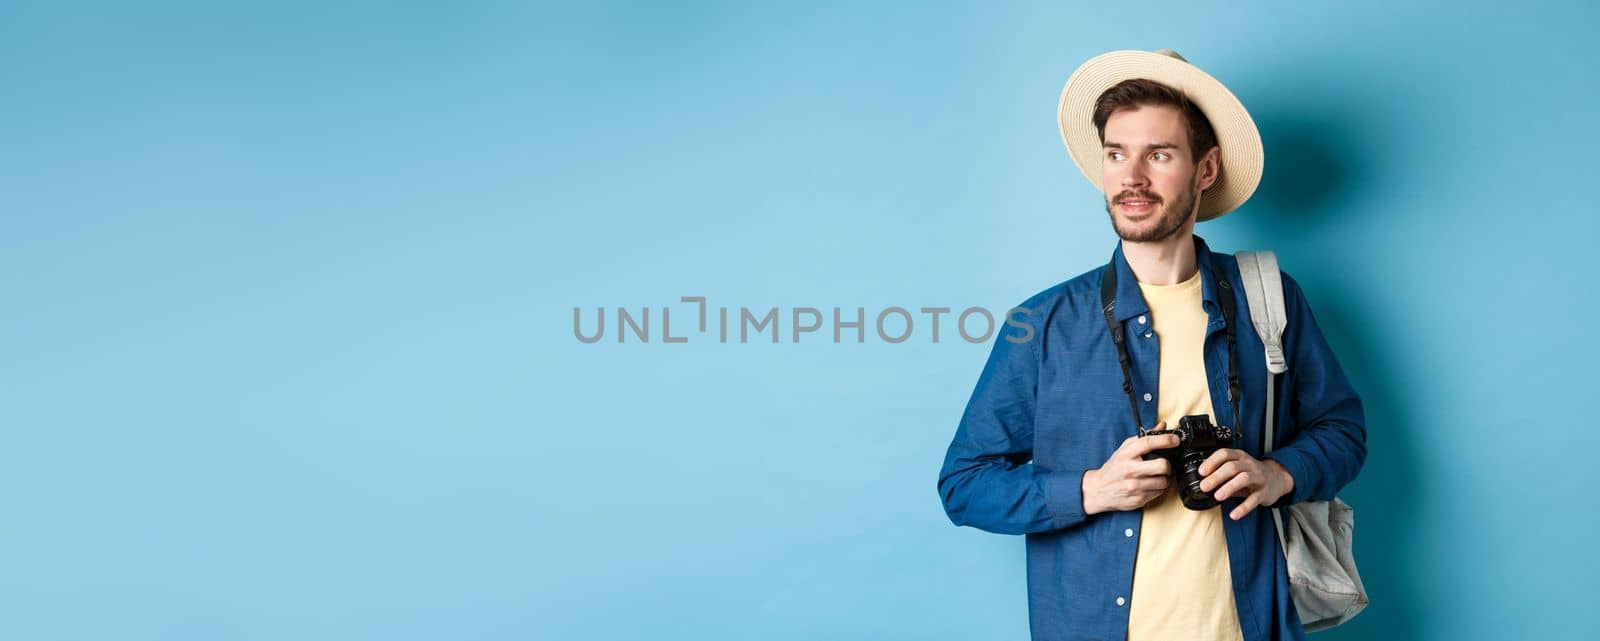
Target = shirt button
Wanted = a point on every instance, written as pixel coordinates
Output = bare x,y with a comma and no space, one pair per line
1148,334
1128,532
1121,601
1141,320
1147,397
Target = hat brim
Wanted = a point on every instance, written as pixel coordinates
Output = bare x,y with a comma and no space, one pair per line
1240,142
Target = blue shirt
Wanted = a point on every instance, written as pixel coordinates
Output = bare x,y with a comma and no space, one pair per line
1049,406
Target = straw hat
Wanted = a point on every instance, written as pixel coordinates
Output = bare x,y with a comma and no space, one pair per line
1236,132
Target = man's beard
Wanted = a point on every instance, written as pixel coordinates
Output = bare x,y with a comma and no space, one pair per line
1168,223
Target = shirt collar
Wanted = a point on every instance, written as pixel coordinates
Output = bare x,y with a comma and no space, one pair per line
1130,301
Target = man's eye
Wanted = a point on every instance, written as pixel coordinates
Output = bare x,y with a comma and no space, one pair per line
1115,155
1160,155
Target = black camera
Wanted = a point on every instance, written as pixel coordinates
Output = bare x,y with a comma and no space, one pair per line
1197,439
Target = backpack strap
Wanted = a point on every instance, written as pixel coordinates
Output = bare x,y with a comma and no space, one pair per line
1263,288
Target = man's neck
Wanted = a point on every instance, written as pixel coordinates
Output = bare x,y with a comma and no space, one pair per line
1165,262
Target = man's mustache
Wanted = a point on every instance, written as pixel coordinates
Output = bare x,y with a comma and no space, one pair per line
1140,195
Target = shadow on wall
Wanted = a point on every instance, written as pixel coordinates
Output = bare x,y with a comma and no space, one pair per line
1311,176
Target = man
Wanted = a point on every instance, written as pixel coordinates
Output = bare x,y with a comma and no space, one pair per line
1048,445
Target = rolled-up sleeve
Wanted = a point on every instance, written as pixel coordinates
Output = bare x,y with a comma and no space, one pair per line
988,480
1330,445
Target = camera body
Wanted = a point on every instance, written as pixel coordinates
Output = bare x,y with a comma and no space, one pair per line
1197,439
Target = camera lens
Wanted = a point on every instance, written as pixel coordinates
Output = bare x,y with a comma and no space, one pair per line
1193,497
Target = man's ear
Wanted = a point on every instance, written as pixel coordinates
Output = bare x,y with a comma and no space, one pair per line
1209,169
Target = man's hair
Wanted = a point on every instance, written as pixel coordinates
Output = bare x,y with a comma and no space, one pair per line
1139,92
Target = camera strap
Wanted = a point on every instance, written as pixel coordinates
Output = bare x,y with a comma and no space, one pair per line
1108,299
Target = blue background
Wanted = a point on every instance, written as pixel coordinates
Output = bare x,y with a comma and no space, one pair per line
287,335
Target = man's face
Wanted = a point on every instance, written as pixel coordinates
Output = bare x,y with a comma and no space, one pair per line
1150,178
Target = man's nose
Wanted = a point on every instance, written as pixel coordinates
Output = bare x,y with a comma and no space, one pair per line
1135,176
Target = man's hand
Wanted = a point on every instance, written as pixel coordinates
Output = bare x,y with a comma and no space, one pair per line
1237,473
1126,481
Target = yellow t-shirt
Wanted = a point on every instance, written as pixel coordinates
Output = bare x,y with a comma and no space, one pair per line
1182,584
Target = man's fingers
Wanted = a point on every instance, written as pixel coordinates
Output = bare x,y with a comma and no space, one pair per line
1134,442
1157,467
1219,476
1241,483
1217,458
1146,444
1250,503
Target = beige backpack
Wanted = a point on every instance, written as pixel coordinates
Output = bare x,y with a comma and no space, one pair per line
1316,535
